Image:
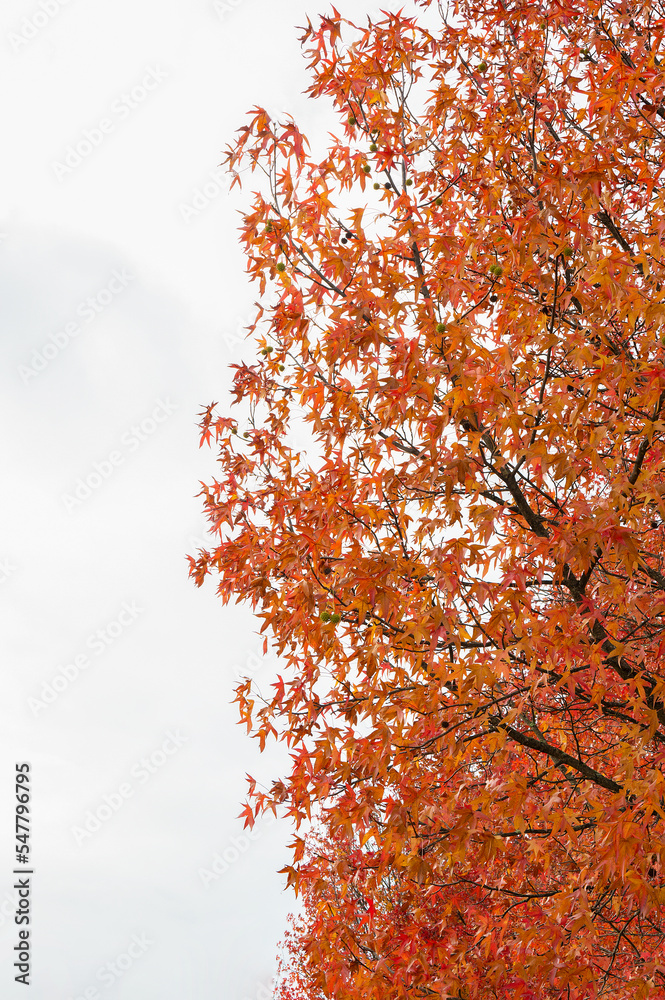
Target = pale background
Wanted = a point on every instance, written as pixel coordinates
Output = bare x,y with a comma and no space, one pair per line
159,344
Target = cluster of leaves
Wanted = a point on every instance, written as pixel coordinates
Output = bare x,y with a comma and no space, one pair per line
380,931
448,506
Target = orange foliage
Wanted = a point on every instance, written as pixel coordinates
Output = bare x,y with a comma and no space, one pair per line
444,495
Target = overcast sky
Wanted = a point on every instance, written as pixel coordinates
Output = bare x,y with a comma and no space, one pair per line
123,294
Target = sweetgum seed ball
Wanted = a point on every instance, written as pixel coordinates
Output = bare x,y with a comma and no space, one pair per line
281,267
439,201
376,186
373,148
440,327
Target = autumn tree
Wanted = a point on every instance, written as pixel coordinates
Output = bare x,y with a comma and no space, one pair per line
442,490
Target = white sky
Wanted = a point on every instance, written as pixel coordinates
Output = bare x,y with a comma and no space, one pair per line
115,398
